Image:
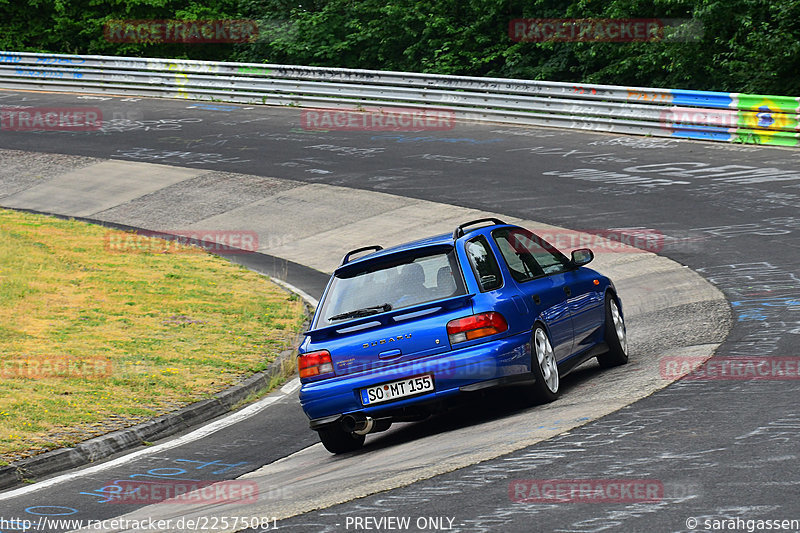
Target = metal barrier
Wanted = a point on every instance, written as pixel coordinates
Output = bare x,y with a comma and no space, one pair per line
704,115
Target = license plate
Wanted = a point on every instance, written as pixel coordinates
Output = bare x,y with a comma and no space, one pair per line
396,389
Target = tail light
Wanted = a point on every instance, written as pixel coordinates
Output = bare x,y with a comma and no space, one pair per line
475,327
315,364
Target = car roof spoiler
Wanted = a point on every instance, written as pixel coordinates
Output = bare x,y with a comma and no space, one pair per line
459,232
346,258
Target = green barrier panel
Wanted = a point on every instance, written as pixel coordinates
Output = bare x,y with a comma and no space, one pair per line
760,136
767,119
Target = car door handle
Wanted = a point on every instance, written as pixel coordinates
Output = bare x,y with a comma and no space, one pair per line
568,291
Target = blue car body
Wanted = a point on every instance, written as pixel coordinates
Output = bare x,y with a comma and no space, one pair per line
419,351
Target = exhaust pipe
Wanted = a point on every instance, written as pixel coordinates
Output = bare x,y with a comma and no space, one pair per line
361,425
357,423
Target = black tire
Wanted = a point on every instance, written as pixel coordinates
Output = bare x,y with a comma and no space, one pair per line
337,440
544,368
616,337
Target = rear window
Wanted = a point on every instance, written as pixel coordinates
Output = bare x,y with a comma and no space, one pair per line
402,283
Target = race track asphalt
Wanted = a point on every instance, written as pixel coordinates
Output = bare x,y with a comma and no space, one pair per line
720,448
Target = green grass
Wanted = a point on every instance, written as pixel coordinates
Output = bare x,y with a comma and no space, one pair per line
144,332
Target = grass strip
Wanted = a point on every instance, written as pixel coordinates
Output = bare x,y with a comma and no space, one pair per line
93,339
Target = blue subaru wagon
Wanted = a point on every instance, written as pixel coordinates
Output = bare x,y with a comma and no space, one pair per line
404,332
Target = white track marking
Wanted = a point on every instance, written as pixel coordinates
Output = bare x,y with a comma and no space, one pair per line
291,386
313,302
197,434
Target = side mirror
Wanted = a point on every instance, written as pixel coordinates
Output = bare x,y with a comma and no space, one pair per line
582,256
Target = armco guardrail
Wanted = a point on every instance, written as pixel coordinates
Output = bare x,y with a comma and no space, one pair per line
704,115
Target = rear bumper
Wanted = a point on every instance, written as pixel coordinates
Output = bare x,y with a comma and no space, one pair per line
483,365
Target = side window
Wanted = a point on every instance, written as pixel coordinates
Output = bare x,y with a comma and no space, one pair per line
484,264
527,256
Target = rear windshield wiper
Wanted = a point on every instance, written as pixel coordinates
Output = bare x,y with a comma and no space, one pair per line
366,311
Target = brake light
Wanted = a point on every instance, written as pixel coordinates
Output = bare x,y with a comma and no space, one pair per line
315,364
475,327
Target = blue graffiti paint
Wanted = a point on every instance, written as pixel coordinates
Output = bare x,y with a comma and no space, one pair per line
113,490
681,97
49,73
694,131
210,107
62,511
215,463
758,309
61,60
765,119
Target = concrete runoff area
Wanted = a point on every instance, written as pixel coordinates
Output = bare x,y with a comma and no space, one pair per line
97,187
314,225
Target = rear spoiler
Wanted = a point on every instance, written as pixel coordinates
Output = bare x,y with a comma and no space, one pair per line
388,318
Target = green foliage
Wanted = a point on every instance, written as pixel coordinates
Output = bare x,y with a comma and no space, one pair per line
742,45
76,26
745,45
